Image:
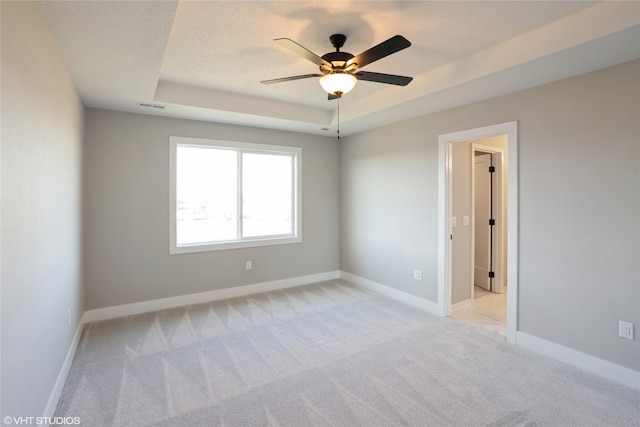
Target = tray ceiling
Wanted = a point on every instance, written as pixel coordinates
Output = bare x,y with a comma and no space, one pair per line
204,59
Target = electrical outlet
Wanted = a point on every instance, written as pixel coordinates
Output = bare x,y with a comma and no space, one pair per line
417,274
248,265
625,330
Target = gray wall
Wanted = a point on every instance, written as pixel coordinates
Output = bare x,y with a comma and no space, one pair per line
41,227
389,208
127,212
579,188
461,270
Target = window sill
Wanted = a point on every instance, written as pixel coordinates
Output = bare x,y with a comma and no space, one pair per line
209,247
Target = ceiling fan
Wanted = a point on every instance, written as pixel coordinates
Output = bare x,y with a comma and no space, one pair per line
341,70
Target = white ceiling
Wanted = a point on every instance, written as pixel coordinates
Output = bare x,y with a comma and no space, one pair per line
204,59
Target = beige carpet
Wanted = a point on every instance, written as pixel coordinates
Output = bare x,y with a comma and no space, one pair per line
329,354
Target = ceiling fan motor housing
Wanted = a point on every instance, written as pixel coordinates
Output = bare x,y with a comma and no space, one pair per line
337,59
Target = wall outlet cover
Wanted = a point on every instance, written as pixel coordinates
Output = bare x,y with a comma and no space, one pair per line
625,330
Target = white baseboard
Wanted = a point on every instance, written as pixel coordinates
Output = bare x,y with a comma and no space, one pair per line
203,297
603,368
409,299
54,397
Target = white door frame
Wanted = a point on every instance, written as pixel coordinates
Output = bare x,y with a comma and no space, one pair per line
510,129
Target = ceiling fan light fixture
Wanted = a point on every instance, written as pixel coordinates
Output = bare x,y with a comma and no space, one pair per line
338,82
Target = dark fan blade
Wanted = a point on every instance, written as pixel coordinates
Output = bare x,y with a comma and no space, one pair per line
302,51
286,79
386,48
383,78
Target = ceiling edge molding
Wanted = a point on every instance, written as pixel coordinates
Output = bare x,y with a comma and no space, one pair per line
216,100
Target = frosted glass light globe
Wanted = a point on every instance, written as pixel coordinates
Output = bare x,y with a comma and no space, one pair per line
338,82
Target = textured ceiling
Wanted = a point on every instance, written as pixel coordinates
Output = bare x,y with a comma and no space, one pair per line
205,59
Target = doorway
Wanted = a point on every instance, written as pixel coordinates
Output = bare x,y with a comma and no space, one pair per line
487,302
505,268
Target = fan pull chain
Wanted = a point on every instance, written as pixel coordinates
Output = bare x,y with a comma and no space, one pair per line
338,118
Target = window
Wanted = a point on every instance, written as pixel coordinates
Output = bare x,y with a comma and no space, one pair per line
226,195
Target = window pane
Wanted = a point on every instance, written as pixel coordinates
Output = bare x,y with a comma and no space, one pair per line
206,195
267,199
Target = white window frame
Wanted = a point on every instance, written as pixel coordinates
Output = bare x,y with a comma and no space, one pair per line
295,237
